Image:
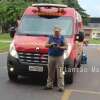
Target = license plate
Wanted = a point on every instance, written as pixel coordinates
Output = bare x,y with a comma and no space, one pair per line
36,68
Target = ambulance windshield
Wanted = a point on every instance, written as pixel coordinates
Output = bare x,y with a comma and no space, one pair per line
36,25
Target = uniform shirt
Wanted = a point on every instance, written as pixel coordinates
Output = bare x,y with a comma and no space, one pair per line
55,52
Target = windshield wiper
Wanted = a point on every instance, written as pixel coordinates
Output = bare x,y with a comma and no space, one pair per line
24,34
34,34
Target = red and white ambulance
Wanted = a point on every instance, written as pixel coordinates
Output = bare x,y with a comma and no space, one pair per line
28,55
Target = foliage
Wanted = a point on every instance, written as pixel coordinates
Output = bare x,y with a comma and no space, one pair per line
10,10
75,4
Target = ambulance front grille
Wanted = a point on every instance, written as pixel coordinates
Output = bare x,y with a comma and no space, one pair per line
33,58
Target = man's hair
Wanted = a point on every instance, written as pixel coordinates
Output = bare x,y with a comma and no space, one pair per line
57,29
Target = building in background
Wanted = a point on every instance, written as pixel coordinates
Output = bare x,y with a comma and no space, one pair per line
93,28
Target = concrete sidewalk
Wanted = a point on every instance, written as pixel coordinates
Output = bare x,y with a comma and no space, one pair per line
94,44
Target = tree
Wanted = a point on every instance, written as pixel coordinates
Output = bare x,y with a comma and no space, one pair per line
70,3
75,4
10,10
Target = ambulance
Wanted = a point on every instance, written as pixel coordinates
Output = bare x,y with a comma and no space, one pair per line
28,55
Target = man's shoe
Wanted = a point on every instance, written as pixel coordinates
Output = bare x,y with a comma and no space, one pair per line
48,88
61,89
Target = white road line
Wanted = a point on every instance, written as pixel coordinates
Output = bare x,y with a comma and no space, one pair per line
85,91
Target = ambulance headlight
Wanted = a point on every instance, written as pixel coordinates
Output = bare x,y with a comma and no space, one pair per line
67,52
13,51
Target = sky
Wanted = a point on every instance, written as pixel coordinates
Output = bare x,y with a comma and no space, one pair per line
92,7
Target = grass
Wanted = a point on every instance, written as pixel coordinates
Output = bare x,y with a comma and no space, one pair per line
5,36
94,41
4,46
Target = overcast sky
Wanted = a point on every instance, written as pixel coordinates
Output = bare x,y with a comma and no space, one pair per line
92,7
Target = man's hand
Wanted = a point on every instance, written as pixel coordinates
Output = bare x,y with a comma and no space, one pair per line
52,45
48,45
62,47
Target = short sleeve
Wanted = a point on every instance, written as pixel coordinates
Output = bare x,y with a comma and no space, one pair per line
62,40
50,39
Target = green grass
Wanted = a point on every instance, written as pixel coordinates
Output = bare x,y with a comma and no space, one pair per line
5,36
94,41
4,47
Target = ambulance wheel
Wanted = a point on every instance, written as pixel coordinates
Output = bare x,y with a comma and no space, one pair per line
69,64
12,76
79,65
80,61
69,78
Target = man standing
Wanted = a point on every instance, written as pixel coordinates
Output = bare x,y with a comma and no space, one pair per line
56,45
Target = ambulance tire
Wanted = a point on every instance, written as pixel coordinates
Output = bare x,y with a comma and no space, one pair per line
80,62
12,76
69,78
79,65
69,75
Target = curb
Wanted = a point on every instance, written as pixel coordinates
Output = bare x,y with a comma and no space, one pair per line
94,44
3,53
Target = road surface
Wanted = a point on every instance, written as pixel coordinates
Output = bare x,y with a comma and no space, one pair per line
86,84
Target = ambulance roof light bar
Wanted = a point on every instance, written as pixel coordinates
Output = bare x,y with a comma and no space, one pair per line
50,5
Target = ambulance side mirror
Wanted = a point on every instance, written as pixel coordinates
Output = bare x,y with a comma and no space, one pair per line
12,31
79,37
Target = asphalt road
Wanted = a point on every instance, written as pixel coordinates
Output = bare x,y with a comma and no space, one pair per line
86,84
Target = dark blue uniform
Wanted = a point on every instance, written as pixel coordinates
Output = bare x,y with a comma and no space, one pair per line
55,52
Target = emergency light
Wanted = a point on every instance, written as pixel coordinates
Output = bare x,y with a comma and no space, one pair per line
38,9
50,5
50,14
